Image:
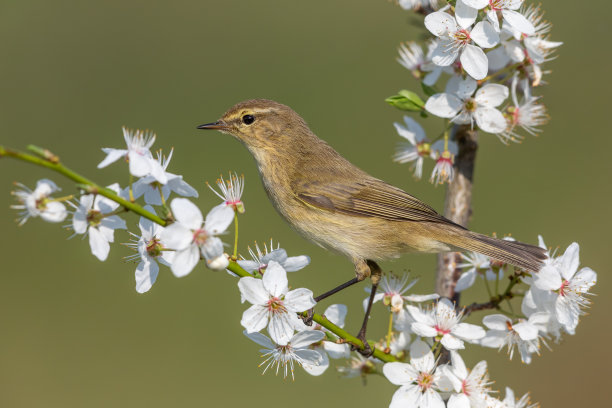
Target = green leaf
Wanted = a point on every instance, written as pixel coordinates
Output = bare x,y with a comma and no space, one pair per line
406,100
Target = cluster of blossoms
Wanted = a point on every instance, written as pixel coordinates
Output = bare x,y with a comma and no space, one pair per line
490,51
422,326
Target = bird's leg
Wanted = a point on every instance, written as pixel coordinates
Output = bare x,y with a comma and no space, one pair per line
362,271
310,312
375,274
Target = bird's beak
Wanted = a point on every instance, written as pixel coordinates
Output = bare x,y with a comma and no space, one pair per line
219,125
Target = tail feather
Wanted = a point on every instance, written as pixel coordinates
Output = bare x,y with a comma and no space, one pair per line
525,256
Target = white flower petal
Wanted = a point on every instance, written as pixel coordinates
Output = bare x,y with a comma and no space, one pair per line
548,278
443,105
518,21
254,319
496,322
185,260
569,262
299,300
280,328
99,244
186,213
336,314
465,14
468,331
439,23
466,280
253,291
484,35
306,338
219,218
260,339
112,155
399,373
54,212
295,263
474,61
314,369
336,350
451,342
477,4
444,54
526,331
458,401
139,165
275,280
492,95
176,236
146,275
490,120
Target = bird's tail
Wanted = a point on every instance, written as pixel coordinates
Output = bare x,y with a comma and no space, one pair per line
524,256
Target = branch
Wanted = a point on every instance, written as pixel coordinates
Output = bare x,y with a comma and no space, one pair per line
495,301
51,161
458,207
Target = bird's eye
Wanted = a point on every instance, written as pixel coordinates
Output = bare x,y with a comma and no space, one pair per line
248,119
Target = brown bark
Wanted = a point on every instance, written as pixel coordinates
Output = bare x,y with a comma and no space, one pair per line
458,207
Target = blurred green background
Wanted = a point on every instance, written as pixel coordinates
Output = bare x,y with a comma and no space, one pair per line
73,331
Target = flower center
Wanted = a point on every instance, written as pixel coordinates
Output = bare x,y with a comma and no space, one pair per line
94,217
461,36
425,381
465,388
199,237
423,149
154,248
470,105
441,331
276,305
563,288
497,5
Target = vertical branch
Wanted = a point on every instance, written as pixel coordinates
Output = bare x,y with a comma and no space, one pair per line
458,207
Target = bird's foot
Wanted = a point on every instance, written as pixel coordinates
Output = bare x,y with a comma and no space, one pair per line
307,319
366,350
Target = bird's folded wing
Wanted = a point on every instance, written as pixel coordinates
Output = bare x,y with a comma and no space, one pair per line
367,198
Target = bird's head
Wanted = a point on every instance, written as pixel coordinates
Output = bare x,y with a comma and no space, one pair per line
261,124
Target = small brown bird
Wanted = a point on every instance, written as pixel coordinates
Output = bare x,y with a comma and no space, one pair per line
342,208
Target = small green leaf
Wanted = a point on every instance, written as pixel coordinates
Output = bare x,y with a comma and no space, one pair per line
406,100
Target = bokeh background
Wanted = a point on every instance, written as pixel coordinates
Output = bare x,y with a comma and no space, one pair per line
73,331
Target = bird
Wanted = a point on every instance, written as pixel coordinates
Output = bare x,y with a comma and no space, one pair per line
342,208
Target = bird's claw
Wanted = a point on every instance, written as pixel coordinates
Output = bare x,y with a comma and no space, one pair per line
308,318
366,350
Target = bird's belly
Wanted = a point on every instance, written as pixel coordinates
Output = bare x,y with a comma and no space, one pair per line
364,237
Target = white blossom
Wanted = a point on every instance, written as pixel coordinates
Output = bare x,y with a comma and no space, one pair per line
260,259
231,191
392,292
38,203
455,41
190,236
457,104
137,154
476,264
471,387
522,334
150,252
443,324
150,187
417,148
564,287
93,216
285,356
507,8
419,381
273,304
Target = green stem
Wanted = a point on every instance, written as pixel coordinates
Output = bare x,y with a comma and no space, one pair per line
93,188
390,329
236,234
